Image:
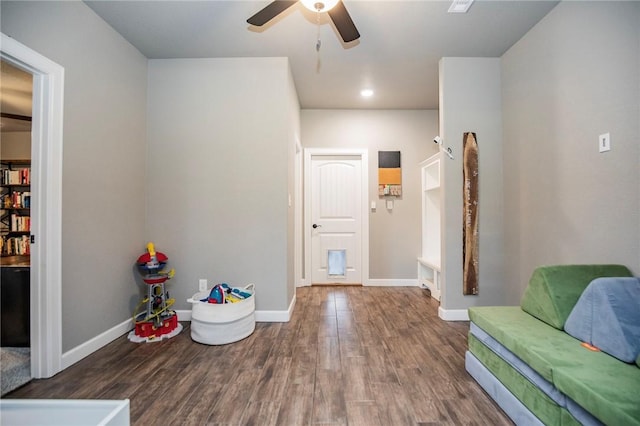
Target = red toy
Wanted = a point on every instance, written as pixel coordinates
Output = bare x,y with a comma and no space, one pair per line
156,321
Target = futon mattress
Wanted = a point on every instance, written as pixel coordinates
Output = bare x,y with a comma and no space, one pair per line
604,386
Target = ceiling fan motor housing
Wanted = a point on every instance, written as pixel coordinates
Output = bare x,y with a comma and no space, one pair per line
319,5
335,8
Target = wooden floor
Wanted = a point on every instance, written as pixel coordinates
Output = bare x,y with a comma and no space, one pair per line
350,355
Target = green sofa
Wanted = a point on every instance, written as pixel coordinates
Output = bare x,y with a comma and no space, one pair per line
538,373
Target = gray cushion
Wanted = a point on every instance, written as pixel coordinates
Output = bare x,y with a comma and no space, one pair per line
607,315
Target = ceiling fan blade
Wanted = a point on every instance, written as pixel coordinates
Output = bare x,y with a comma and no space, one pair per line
343,22
272,10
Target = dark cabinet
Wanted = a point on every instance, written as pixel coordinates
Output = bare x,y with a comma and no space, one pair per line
15,311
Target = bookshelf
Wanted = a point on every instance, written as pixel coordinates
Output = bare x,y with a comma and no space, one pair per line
429,260
15,212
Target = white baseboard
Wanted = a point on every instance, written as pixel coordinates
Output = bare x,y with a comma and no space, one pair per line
90,346
453,314
261,316
184,315
392,283
377,283
276,316
303,283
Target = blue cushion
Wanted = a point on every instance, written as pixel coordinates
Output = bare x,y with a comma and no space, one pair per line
607,316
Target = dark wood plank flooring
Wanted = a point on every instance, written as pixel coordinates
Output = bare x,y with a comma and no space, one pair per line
350,355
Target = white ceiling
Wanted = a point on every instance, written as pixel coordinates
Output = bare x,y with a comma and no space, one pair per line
397,54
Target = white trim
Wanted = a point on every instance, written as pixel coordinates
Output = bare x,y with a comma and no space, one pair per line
90,346
298,224
453,314
46,193
261,316
392,283
87,348
364,156
276,316
184,315
303,283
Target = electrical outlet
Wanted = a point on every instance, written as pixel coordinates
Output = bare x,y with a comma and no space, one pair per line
202,284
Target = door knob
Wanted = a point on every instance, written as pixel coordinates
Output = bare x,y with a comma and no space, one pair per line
315,225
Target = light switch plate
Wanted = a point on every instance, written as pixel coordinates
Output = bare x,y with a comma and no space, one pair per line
604,142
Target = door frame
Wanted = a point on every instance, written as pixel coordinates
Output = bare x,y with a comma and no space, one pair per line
364,157
46,193
298,268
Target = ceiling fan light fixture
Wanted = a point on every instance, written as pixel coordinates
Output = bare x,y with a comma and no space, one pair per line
336,10
319,5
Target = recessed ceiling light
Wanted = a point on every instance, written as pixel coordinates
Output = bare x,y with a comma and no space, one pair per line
366,93
460,6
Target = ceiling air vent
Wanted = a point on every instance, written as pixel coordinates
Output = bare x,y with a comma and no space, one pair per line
460,6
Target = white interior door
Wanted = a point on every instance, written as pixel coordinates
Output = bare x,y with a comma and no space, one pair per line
335,226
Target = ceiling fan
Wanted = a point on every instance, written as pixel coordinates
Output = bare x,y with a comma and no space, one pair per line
335,8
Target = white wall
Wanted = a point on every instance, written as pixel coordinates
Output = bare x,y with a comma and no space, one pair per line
104,159
574,76
221,133
470,102
395,238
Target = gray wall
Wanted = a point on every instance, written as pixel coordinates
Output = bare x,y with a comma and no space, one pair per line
221,142
221,134
394,236
574,76
470,102
103,220
292,118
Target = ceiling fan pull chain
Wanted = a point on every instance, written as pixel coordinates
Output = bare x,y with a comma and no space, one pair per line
318,42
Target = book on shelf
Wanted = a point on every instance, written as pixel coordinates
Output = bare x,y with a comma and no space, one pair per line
16,177
15,246
16,200
20,223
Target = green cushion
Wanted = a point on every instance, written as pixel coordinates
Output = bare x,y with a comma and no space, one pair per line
531,396
606,387
608,390
528,338
554,290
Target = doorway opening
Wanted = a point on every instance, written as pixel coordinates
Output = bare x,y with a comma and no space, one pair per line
16,87
45,235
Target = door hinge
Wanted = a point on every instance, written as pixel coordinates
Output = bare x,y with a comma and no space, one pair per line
33,239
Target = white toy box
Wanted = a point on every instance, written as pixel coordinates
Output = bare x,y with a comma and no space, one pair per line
219,324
